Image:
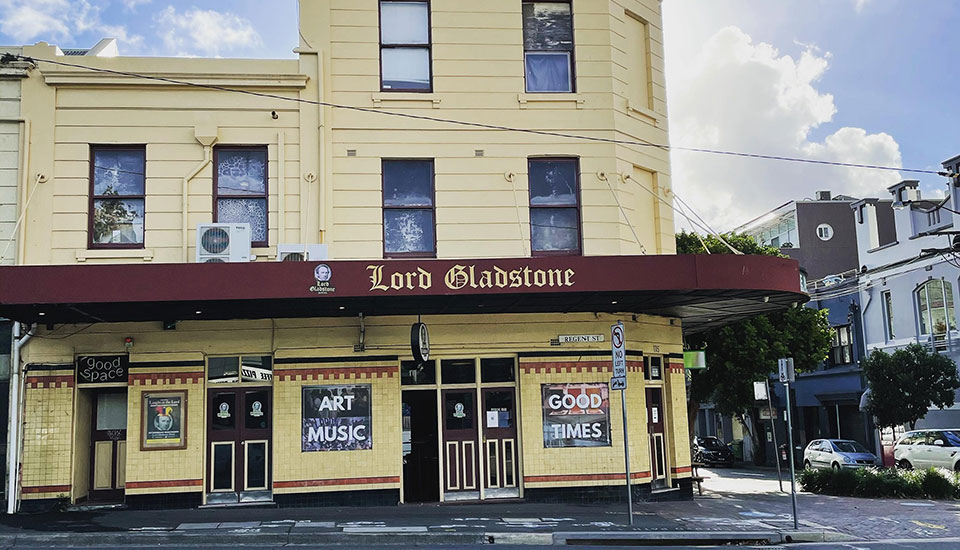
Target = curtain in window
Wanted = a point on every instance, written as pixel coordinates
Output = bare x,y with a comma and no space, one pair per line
548,72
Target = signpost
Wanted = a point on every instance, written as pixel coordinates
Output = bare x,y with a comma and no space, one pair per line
787,375
619,382
761,391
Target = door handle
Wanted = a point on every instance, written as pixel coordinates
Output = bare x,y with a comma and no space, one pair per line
244,443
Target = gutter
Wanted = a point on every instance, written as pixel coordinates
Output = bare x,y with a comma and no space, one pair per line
15,435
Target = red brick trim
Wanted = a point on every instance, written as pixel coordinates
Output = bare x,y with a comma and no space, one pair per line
583,477
165,378
675,368
681,470
337,373
46,489
50,381
166,483
334,482
560,367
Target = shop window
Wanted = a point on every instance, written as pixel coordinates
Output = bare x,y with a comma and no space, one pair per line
548,46
254,369
414,374
888,314
457,371
117,196
240,189
500,369
554,205
935,308
405,46
408,209
653,368
841,353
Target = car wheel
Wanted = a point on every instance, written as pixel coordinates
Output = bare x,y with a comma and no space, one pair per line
956,467
905,464
807,465
836,467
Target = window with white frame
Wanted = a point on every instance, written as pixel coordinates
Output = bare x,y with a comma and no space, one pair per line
824,232
935,307
841,352
888,314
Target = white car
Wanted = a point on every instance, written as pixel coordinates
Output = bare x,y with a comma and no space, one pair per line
929,449
837,453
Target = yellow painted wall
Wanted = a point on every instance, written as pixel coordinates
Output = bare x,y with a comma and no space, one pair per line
48,435
324,163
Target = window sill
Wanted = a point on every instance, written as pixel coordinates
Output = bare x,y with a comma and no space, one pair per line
883,247
525,99
145,254
645,114
406,97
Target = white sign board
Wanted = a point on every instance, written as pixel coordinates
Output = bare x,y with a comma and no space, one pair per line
786,369
760,391
617,346
618,383
579,338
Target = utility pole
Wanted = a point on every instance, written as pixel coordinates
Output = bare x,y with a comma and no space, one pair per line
787,375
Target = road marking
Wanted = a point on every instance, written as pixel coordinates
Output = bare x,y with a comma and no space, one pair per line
925,504
928,525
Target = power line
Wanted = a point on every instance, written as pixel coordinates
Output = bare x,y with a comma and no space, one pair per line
480,125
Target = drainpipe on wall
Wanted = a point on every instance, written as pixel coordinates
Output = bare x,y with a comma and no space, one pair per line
15,436
207,143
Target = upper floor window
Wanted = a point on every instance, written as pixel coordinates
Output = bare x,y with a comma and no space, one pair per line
548,46
888,314
935,307
117,196
841,352
554,205
824,232
405,46
240,188
408,209
933,217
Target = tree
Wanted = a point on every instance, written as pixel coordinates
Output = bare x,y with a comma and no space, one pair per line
747,351
905,384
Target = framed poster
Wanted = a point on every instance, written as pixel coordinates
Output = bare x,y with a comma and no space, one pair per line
164,420
336,418
576,415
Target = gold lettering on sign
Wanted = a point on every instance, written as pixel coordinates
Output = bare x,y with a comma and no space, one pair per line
460,277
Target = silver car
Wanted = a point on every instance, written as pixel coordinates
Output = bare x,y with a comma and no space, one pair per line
929,449
838,453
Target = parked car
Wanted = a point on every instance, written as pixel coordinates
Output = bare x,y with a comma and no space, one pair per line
929,448
838,453
710,450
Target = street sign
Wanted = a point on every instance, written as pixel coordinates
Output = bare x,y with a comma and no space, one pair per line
760,391
787,373
617,346
618,383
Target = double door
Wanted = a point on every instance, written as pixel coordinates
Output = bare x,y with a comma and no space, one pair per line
239,436
479,443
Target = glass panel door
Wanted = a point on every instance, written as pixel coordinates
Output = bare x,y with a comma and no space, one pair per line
499,443
460,445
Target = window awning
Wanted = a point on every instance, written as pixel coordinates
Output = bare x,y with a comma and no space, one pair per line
701,290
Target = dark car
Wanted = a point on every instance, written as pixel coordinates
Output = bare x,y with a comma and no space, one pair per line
710,450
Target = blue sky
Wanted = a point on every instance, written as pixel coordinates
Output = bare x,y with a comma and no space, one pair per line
867,81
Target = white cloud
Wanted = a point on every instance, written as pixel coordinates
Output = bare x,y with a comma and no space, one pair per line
59,22
860,4
132,5
735,94
205,32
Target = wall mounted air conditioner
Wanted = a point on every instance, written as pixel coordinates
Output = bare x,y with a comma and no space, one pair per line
301,252
223,242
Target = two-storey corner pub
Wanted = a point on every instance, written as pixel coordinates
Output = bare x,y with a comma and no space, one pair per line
227,297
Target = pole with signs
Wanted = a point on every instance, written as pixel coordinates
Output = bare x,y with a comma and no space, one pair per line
787,375
619,382
773,429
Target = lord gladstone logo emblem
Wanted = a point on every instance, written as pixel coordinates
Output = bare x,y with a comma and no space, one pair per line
322,273
461,277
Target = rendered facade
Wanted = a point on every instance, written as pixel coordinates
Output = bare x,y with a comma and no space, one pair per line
154,377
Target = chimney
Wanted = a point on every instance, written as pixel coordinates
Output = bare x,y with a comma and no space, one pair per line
905,192
823,195
868,231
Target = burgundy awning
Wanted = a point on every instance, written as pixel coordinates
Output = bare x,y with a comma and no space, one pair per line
702,290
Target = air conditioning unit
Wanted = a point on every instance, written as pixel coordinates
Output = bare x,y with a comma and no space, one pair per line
301,252
223,242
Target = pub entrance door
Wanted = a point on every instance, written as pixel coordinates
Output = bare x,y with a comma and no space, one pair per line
239,436
108,445
500,443
659,468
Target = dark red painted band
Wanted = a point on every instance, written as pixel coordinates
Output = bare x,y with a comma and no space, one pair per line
335,482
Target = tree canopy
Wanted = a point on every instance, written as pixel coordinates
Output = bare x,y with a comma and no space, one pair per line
906,383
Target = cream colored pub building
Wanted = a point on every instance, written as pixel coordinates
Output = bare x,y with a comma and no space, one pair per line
334,279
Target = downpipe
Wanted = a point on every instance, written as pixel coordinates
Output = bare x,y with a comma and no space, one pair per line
15,435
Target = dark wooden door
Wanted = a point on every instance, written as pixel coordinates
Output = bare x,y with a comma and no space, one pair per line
655,427
460,443
108,445
499,442
239,435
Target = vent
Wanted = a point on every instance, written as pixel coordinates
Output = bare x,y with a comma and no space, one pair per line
823,195
223,242
351,152
478,153
294,257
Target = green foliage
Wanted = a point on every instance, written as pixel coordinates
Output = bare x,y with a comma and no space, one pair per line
903,385
888,483
747,351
